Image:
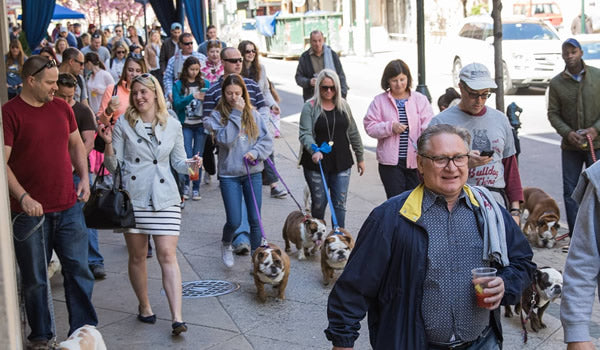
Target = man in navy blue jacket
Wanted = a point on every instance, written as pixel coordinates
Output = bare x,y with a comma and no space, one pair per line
411,267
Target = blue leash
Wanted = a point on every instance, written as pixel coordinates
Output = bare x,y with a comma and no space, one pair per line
326,148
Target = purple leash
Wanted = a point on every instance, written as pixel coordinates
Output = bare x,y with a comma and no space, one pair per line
285,185
262,230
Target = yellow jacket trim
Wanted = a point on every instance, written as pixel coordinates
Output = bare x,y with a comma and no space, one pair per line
411,209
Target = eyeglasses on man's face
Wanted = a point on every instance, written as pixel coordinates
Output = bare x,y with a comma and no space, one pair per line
475,95
49,64
233,60
459,160
187,43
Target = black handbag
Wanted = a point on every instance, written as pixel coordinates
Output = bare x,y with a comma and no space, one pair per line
109,207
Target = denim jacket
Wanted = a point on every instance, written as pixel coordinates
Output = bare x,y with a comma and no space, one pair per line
146,164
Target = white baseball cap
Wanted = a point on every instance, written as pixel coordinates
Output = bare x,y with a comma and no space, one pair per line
477,77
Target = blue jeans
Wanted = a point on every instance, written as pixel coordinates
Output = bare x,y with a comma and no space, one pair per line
242,234
94,256
572,164
489,342
61,231
338,187
193,141
233,190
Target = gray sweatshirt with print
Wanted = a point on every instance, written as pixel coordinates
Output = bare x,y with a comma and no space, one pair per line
582,270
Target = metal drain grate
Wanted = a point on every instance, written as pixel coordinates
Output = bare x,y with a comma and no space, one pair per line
206,288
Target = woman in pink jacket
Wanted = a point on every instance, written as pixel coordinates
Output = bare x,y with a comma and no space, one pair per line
396,119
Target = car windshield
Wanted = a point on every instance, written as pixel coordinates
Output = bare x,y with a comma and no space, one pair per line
591,51
527,31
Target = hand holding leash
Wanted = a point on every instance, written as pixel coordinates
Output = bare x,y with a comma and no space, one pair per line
30,206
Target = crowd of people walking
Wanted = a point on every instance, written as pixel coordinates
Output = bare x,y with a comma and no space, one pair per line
152,112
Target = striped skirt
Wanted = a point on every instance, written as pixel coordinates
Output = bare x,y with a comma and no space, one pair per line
166,222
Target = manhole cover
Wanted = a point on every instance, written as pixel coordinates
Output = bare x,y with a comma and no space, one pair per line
206,288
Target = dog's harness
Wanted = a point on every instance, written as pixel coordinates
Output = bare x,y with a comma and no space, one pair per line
326,148
524,320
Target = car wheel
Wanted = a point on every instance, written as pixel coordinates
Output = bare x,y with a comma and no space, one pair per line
456,67
508,86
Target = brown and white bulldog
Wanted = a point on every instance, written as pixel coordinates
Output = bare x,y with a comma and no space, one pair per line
335,252
546,287
305,232
542,222
271,266
84,338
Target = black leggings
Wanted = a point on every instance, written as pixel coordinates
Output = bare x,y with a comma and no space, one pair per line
397,178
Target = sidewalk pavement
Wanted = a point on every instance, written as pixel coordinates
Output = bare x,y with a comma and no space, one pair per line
238,320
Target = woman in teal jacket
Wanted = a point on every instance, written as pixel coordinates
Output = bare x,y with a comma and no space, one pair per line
188,94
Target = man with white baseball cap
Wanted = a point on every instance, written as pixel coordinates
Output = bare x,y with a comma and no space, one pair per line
492,161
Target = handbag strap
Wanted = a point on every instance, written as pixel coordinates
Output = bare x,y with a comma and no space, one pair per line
117,178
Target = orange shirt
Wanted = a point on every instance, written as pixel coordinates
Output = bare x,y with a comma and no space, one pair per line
123,93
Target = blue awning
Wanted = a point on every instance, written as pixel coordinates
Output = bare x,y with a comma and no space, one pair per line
61,12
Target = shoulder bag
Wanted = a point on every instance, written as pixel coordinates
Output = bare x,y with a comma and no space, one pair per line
109,207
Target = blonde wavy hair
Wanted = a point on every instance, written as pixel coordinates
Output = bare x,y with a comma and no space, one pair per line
337,98
132,115
248,122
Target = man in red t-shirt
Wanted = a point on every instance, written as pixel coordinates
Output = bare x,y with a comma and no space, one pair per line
41,142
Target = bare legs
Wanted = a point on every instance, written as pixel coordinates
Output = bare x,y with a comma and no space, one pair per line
166,253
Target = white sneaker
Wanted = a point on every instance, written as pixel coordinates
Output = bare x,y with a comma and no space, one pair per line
206,179
186,192
227,251
196,196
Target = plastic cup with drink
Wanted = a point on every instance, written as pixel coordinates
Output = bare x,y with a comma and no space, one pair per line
483,275
193,169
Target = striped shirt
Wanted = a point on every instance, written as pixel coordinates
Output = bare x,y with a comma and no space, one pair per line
213,95
403,119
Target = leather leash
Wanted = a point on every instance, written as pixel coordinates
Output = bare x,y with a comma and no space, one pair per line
262,230
591,147
524,320
286,186
326,148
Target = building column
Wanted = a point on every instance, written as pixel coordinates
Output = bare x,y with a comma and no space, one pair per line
10,329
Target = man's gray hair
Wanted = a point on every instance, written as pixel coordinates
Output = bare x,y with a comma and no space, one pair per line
434,130
316,31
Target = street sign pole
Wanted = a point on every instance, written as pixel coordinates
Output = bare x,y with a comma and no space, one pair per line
144,3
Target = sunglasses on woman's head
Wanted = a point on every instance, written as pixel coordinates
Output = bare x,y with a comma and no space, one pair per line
135,56
49,64
67,81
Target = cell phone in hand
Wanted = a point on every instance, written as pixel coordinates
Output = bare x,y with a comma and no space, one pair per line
486,153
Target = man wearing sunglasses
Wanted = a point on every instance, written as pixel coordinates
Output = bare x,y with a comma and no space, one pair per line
492,162
73,63
42,145
211,34
313,61
186,49
96,46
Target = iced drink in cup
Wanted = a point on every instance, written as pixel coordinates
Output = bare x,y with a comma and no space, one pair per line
483,275
193,169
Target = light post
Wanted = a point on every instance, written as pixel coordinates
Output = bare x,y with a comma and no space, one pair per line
421,87
367,30
582,16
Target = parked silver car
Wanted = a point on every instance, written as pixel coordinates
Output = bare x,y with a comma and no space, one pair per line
531,50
